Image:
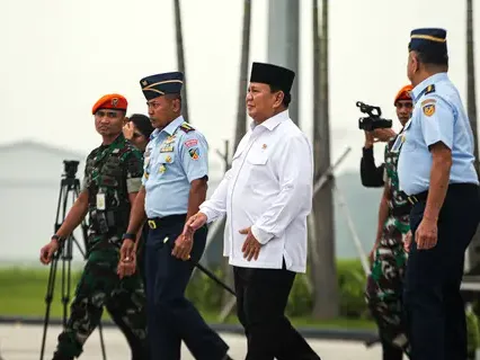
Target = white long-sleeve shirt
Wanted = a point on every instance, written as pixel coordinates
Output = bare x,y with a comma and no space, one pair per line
269,187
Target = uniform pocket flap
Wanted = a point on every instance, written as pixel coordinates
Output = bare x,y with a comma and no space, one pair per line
166,158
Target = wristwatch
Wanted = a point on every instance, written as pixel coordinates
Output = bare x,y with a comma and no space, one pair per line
129,236
58,238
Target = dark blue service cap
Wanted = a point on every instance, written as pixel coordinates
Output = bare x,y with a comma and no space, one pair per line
432,42
161,84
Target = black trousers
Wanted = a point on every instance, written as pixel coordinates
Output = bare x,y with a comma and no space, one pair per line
171,317
435,313
262,296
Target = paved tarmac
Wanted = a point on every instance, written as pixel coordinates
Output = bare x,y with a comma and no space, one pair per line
23,342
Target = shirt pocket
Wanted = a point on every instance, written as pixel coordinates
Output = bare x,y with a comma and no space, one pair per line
257,158
165,160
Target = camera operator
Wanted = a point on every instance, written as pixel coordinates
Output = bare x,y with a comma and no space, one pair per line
388,257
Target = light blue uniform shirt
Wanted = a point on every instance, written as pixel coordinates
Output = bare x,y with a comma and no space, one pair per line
438,115
174,157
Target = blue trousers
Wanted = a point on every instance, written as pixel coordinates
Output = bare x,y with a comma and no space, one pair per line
435,313
171,317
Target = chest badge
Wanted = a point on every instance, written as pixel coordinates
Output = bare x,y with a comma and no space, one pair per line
168,159
162,169
264,146
169,139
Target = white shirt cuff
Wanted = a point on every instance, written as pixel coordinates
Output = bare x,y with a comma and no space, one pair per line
209,213
262,236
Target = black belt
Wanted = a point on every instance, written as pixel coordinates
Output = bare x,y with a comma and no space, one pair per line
154,223
422,197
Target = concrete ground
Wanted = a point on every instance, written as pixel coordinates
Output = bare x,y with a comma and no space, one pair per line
23,342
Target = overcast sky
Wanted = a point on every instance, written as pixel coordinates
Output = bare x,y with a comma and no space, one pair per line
60,56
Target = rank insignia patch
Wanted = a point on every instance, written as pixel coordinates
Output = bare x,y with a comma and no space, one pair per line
429,109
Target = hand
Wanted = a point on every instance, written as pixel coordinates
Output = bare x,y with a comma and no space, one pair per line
194,223
127,267
251,246
383,135
183,247
127,252
407,242
128,130
46,253
426,234
371,256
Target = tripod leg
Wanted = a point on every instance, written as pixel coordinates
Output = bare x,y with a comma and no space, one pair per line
48,300
66,278
102,343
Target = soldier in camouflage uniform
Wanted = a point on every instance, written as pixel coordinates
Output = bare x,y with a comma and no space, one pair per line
112,179
388,257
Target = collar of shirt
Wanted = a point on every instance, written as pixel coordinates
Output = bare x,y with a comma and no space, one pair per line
169,129
418,90
272,122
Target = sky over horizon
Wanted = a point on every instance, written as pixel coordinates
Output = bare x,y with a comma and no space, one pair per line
60,56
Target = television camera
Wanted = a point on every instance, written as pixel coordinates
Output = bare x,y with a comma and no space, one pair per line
374,119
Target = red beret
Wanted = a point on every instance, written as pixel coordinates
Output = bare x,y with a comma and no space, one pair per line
403,94
111,101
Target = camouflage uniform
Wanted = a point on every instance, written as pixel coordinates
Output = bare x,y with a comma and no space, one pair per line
113,170
385,282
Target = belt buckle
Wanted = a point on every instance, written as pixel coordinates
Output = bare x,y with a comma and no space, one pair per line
152,224
412,199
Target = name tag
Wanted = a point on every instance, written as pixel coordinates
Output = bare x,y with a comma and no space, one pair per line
168,148
101,201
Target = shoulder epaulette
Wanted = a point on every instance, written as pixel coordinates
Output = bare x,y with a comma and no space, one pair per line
430,89
186,127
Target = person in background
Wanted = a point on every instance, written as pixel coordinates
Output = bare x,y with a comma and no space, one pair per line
388,258
137,130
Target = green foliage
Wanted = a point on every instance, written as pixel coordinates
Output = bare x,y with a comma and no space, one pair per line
23,294
207,295
473,331
351,284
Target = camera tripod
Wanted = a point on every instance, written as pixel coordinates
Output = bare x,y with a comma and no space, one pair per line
69,185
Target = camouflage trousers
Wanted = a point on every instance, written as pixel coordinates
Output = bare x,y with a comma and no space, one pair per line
101,287
384,289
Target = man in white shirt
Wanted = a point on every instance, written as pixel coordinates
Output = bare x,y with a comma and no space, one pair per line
266,195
